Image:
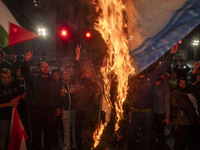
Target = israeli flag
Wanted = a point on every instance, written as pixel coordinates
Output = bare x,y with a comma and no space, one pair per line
155,26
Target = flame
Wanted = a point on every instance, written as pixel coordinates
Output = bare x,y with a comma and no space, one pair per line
97,134
111,24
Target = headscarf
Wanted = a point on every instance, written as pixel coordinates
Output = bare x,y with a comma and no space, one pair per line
180,88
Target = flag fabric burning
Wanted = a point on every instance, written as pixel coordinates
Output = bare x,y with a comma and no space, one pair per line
145,30
112,26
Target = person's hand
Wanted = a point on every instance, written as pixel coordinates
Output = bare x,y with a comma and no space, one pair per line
58,112
28,55
14,102
174,49
23,96
196,66
78,51
167,121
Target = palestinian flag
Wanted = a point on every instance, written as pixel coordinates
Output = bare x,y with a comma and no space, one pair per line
11,32
18,135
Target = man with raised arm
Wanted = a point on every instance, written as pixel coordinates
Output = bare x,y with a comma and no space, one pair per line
43,110
141,103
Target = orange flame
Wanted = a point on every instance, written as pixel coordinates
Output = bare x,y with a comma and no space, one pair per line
112,27
97,134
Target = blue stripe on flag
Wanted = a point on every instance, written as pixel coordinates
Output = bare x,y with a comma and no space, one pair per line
181,23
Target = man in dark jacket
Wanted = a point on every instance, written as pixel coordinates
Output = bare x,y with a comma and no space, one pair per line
10,94
141,103
43,109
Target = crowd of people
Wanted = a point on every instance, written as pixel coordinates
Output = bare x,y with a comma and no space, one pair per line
49,103
158,101
59,109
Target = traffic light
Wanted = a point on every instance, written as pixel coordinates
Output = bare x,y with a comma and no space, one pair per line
88,35
64,33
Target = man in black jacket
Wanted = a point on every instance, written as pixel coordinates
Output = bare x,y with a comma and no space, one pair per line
43,109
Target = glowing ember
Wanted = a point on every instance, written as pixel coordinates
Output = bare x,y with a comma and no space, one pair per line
112,27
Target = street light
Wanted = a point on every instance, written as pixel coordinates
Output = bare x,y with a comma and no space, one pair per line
195,43
42,32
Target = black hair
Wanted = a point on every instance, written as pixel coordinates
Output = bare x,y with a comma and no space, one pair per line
5,71
41,63
178,81
55,70
20,57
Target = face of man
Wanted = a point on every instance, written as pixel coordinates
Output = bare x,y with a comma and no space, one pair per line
19,72
65,75
56,76
5,79
44,68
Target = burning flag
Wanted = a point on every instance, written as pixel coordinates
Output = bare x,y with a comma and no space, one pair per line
10,31
113,28
18,135
137,33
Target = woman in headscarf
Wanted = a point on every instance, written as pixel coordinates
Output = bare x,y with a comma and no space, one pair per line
184,103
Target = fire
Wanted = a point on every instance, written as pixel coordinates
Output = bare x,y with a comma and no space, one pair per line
97,134
111,24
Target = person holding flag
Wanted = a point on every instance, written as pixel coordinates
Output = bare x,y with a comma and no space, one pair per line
140,99
10,94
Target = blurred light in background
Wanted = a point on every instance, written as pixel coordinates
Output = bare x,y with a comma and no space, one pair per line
42,32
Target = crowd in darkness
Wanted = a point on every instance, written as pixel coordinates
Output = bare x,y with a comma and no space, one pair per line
51,104
163,99
59,109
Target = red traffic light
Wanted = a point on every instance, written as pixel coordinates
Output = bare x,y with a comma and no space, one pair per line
64,33
88,35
